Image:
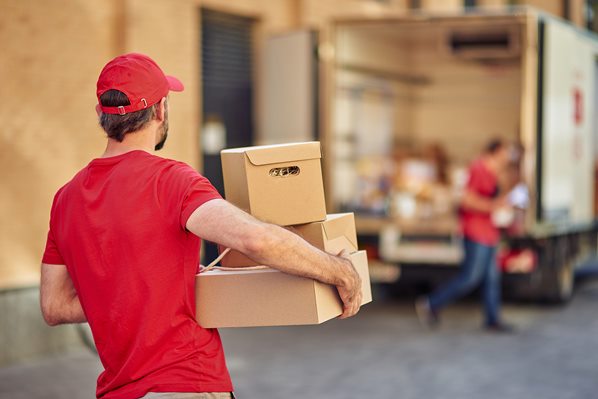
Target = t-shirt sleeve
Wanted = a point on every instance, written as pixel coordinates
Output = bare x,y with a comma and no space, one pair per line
189,189
51,253
476,180
200,191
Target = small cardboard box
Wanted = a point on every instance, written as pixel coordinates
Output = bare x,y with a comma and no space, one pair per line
280,184
332,235
266,297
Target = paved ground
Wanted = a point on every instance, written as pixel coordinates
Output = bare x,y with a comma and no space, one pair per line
383,353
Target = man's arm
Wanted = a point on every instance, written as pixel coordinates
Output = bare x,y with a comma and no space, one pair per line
476,202
58,298
221,222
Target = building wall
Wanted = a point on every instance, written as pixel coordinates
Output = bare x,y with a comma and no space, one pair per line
49,66
50,129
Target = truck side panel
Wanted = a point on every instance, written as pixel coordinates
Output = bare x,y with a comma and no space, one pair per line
567,159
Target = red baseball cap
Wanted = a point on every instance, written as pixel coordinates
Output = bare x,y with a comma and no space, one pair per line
139,78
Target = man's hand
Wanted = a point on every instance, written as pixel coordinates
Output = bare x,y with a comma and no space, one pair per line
473,201
350,289
501,201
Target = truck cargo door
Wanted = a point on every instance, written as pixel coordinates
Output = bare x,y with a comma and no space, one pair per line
565,124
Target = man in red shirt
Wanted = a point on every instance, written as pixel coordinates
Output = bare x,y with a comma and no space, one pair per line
480,238
123,249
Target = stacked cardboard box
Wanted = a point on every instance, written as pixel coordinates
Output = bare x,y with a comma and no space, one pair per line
280,184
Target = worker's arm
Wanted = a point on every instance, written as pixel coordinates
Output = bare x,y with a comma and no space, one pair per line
58,298
476,202
221,222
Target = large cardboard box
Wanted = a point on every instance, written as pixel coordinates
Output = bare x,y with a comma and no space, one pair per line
332,235
266,297
280,184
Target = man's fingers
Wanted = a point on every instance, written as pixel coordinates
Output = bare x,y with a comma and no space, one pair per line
348,303
343,253
351,295
351,306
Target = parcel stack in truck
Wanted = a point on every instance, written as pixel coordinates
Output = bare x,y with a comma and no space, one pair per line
283,185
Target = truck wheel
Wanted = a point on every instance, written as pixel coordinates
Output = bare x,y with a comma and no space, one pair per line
565,283
557,274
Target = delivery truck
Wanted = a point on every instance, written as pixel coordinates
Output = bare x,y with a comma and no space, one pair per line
408,101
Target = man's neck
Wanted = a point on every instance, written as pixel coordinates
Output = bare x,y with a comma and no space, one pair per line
490,163
143,140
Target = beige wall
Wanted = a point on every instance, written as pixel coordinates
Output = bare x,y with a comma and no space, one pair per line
168,31
442,5
48,68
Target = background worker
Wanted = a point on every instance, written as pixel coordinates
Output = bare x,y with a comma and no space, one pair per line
480,239
123,248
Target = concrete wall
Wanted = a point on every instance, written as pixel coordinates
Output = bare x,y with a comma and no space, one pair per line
24,335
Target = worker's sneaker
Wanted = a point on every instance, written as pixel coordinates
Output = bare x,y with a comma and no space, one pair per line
427,316
499,328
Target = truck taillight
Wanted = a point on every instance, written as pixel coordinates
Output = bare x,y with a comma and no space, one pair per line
517,260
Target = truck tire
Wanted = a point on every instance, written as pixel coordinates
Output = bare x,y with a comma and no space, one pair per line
557,274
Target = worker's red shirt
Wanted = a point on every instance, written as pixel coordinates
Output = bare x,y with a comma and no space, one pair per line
119,227
478,226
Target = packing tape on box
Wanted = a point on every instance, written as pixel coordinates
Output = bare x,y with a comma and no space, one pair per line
244,268
219,258
215,261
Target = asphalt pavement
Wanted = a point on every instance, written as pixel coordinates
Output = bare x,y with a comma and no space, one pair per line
383,353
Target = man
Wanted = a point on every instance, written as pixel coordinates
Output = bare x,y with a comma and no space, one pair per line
123,249
480,239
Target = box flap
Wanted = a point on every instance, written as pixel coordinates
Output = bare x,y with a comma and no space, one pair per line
338,244
335,227
283,153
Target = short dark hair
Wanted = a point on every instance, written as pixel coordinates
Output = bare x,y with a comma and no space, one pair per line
118,126
494,145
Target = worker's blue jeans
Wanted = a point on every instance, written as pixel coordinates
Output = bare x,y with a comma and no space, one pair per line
478,267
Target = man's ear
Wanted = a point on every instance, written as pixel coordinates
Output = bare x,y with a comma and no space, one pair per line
161,111
98,110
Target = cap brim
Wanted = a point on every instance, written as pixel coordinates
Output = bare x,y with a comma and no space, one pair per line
174,84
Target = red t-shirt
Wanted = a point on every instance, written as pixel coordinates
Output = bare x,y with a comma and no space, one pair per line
478,226
119,227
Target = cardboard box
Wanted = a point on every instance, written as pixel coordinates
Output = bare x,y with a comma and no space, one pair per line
280,184
332,235
266,297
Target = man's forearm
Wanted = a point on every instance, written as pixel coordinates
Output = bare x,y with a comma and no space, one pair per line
68,310
288,252
58,298
268,244
475,202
